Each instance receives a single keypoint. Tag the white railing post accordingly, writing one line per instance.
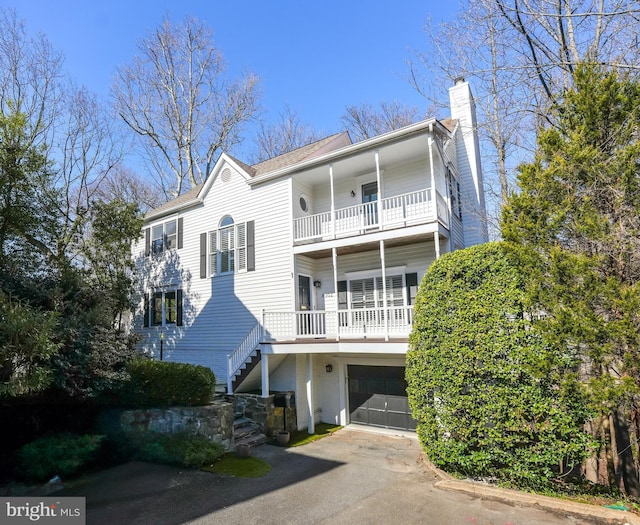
(229, 375)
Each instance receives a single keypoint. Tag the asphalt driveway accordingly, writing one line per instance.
(351, 477)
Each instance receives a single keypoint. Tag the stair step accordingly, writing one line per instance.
(252, 441)
(246, 430)
(240, 421)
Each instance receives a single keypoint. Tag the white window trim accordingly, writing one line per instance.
(218, 252)
(164, 236)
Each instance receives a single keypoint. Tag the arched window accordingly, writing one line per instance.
(227, 220)
(228, 247)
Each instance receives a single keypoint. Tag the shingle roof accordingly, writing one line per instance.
(449, 123)
(293, 157)
(181, 199)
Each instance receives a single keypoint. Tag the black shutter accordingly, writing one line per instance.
(180, 231)
(145, 321)
(412, 287)
(203, 256)
(342, 295)
(147, 242)
(152, 309)
(251, 246)
(179, 307)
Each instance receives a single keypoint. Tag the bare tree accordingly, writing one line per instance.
(174, 95)
(519, 56)
(66, 123)
(124, 184)
(366, 121)
(30, 76)
(285, 135)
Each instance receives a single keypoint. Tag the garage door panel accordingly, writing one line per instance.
(398, 404)
(377, 402)
(377, 396)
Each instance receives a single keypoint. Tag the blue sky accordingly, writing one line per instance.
(315, 57)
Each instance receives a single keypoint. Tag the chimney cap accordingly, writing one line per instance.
(459, 80)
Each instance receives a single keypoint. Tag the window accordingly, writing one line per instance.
(163, 308)
(230, 247)
(165, 236)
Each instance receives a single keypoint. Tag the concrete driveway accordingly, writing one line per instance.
(351, 477)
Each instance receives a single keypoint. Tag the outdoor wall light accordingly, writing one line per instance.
(353, 193)
(329, 368)
(317, 284)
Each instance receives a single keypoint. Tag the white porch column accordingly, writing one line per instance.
(334, 256)
(264, 371)
(384, 291)
(333, 203)
(379, 183)
(434, 201)
(311, 425)
(436, 242)
(342, 393)
(229, 376)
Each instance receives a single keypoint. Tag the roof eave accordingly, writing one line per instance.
(352, 148)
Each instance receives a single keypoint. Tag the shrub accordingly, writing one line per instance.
(59, 454)
(163, 383)
(185, 450)
(491, 396)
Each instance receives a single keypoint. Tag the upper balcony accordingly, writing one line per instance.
(400, 211)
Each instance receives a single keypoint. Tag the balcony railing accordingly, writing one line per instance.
(391, 212)
(392, 321)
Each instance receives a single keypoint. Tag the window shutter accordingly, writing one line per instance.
(251, 246)
(412, 287)
(147, 312)
(180, 231)
(213, 252)
(342, 295)
(147, 242)
(203, 256)
(152, 309)
(178, 307)
(241, 246)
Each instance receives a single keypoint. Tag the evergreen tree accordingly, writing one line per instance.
(575, 224)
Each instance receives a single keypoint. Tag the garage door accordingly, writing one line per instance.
(378, 397)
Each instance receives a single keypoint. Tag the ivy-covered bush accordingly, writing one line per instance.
(58, 455)
(492, 398)
(163, 383)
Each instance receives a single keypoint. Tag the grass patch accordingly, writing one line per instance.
(232, 465)
(302, 437)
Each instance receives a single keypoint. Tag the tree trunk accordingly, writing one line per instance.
(608, 445)
(625, 455)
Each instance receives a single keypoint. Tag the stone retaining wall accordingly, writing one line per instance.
(214, 421)
(262, 412)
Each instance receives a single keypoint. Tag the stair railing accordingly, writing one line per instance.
(241, 354)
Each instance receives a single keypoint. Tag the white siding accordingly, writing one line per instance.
(218, 312)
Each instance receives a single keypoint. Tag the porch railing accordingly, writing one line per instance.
(392, 321)
(390, 212)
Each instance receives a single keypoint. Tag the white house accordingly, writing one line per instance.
(307, 265)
